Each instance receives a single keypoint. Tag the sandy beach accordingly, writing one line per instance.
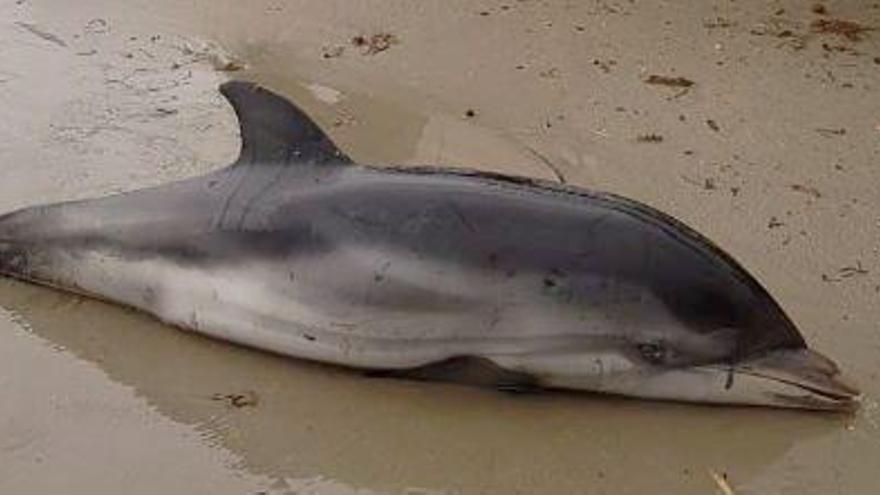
(755, 122)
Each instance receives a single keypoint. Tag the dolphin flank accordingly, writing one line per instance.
(429, 273)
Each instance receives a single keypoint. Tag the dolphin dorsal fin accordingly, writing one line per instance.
(274, 130)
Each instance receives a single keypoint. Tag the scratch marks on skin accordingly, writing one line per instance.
(227, 202)
(497, 313)
(461, 216)
(264, 190)
(40, 33)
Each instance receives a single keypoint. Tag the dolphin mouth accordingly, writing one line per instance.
(802, 378)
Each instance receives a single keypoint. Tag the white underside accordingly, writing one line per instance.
(330, 308)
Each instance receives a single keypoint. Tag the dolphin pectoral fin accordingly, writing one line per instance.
(274, 130)
(470, 370)
(529, 385)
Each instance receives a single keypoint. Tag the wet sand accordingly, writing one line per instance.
(772, 153)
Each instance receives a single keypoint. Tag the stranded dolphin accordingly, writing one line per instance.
(428, 272)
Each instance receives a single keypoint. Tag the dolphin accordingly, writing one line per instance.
(429, 273)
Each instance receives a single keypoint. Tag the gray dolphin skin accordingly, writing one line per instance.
(428, 273)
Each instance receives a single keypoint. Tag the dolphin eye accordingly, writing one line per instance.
(653, 352)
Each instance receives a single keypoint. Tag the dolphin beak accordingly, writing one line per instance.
(800, 378)
(790, 378)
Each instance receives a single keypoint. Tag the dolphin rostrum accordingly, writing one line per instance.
(427, 272)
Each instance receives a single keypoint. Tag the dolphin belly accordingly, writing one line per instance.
(355, 307)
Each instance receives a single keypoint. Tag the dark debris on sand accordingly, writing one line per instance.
(377, 43)
(673, 82)
(850, 30)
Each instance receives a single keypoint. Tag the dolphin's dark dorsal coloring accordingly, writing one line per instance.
(428, 272)
(274, 131)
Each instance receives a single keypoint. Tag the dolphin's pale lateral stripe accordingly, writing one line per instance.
(430, 273)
